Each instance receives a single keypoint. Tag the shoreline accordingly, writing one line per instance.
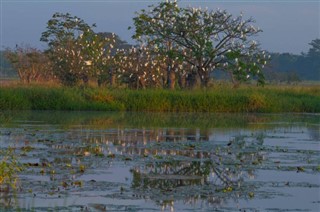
(224, 99)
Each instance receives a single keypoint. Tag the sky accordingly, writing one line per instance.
(288, 25)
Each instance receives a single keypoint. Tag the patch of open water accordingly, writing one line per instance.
(171, 162)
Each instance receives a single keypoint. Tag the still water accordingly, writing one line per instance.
(97, 161)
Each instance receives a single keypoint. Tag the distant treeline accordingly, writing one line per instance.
(6, 69)
(290, 67)
(176, 47)
(283, 67)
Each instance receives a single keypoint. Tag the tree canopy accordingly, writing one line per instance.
(314, 51)
(183, 46)
(207, 40)
(286, 66)
(76, 50)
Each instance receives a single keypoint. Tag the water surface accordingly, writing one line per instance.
(94, 161)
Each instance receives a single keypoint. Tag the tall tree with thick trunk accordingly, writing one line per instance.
(202, 38)
(153, 29)
(76, 51)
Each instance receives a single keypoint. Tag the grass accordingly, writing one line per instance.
(9, 169)
(222, 99)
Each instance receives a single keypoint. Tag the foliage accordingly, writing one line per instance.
(286, 67)
(314, 51)
(184, 45)
(107, 72)
(9, 169)
(207, 40)
(64, 28)
(6, 69)
(31, 64)
(139, 68)
(312, 59)
(218, 99)
(76, 51)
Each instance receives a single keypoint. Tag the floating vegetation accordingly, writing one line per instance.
(10, 167)
(82, 166)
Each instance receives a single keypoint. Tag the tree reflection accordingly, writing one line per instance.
(181, 164)
(168, 164)
(7, 200)
(211, 173)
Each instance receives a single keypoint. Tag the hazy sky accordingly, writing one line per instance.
(288, 26)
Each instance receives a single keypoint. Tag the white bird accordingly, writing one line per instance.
(88, 62)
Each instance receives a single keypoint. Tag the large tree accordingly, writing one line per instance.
(153, 30)
(207, 40)
(76, 50)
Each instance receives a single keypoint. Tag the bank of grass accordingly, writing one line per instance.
(270, 99)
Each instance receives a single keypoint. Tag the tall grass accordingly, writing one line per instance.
(218, 99)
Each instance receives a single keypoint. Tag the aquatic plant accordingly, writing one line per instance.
(9, 169)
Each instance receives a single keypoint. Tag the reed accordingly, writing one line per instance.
(222, 99)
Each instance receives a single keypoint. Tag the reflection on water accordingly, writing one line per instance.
(150, 161)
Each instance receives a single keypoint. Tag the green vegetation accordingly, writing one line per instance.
(115, 119)
(287, 67)
(177, 47)
(6, 69)
(197, 42)
(9, 169)
(218, 99)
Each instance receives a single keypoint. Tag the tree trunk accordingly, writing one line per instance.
(21, 75)
(99, 81)
(142, 83)
(191, 80)
(171, 80)
(235, 82)
(204, 77)
(85, 79)
(28, 76)
(112, 78)
(182, 80)
(170, 77)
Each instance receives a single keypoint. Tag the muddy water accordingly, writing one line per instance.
(94, 161)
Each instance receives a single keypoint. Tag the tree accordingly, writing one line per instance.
(6, 68)
(290, 67)
(31, 64)
(62, 35)
(313, 58)
(156, 34)
(97, 54)
(314, 51)
(108, 73)
(207, 40)
(139, 67)
(76, 51)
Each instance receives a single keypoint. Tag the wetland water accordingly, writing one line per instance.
(94, 161)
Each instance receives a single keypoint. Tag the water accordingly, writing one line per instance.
(94, 161)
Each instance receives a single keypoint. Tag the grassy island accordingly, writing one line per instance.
(269, 99)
